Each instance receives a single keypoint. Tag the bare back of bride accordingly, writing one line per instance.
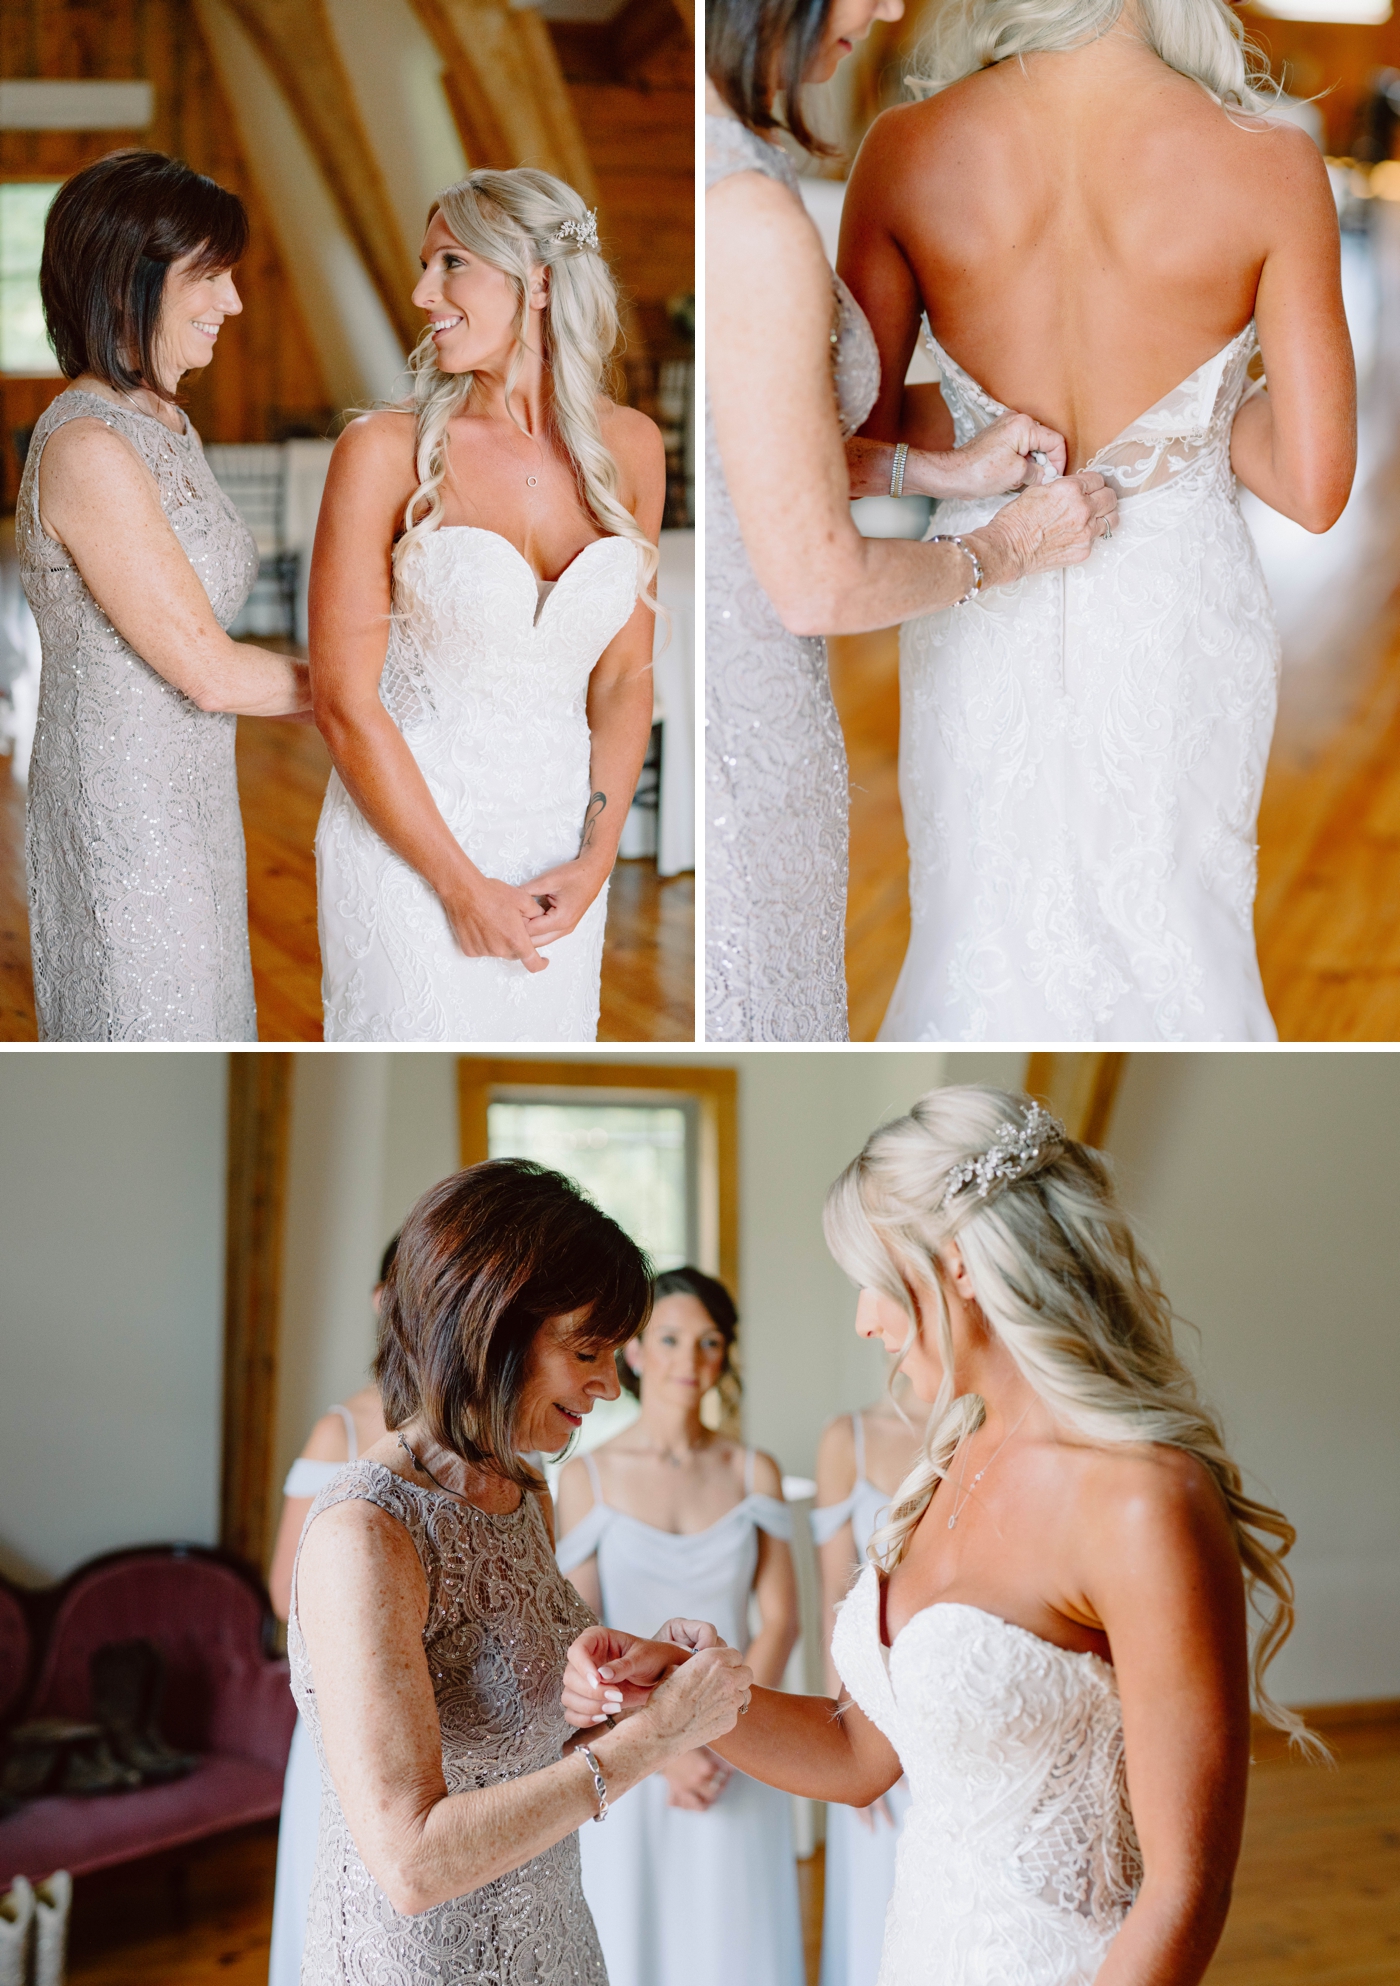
(1099, 222)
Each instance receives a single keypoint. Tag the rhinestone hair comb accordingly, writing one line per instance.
(584, 232)
(1012, 1153)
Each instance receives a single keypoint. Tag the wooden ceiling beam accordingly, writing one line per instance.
(507, 90)
(297, 42)
(643, 26)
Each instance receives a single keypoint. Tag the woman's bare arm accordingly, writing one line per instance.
(370, 481)
(620, 701)
(362, 1603)
(803, 1744)
(1295, 446)
(1161, 1574)
(325, 1443)
(775, 1589)
(99, 500)
(836, 1477)
(770, 308)
(575, 1502)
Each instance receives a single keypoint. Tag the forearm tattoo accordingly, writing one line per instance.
(596, 804)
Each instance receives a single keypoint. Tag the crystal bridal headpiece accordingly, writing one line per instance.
(584, 232)
(1013, 1152)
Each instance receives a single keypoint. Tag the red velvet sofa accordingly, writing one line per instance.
(226, 1699)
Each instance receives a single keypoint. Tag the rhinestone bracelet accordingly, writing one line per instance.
(901, 456)
(600, 1785)
(951, 538)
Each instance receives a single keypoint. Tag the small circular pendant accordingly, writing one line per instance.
(532, 481)
(951, 1522)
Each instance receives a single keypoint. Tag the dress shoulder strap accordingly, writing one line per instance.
(731, 147)
(349, 1420)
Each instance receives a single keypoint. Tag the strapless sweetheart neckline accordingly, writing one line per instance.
(1220, 359)
(1000, 1620)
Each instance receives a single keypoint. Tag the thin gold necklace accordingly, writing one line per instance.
(958, 1508)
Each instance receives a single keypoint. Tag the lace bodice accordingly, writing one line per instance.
(486, 676)
(500, 1621)
(775, 770)
(1019, 1858)
(1186, 430)
(137, 902)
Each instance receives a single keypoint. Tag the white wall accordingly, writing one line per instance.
(111, 1303)
(1266, 1188)
(369, 1133)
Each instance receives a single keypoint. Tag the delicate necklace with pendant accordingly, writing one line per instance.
(958, 1508)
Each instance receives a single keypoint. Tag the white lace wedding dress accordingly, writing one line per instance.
(487, 679)
(1019, 1859)
(1082, 755)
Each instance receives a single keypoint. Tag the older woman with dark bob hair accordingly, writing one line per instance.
(430, 1625)
(135, 563)
(785, 565)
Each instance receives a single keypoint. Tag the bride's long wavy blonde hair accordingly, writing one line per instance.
(1203, 39)
(513, 220)
(1061, 1280)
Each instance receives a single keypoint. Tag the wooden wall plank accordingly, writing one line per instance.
(258, 1111)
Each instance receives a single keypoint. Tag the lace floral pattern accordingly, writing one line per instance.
(500, 1620)
(488, 683)
(138, 915)
(1082, 755)
(1019, 1859)
(776, 787)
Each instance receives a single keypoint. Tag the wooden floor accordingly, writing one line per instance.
(648, 976)
(1317, 1897)
(1327, 918)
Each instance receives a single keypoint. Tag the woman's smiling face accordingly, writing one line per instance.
(471, 305)
(564, 1378)
(848, 22)
(193, 306)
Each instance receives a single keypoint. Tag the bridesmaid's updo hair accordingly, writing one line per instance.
(1059, 1277)
(709, 1292)
(484, 1260)
(756, 50)
(112, 233)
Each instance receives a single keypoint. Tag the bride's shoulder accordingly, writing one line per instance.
(374, 453)
(1138, 1491)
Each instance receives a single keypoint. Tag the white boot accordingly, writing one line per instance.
(52, 1902)
(16, 1923)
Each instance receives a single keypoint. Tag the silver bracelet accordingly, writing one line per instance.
(901, 456)
(951, 538)
(600, 1785)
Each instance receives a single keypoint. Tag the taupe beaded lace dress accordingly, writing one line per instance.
(500, 1620)
(776, 788)
(138, 918)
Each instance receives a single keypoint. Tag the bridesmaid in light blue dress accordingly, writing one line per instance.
(703, 1894)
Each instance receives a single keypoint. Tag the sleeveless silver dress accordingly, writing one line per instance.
(138, 918)
(776, 787)
(501, 1617)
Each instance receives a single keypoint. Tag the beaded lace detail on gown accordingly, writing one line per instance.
(487, 679)
(1019, 1859)
(1082, 756)
(500, 1621)
(776, 788)
(138, 915)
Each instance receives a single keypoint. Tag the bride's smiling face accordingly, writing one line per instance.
(848, 22)
(472, 305)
